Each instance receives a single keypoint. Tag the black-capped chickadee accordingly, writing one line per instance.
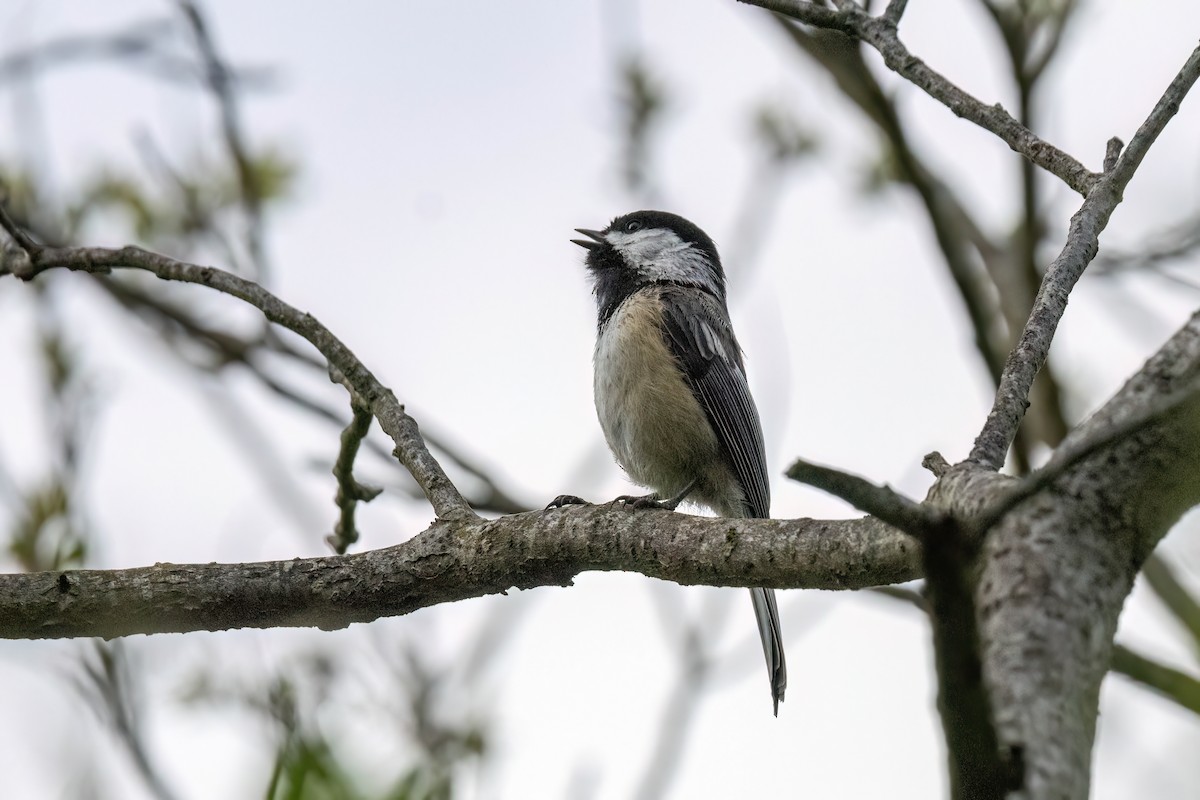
(670, 387)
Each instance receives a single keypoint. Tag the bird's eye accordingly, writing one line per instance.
(632, 226)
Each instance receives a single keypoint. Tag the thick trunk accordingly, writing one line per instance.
(1056, 570)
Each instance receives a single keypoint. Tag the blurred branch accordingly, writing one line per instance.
(1183, 606)
(958, 235)
(783, 142)
(49, 530)
(1012, 397)
(43, 536)
(197, 216)
(443, 743)
(492, 496)
(257, 441)
(643, 100)
(218, 77)
(1036, 62)
(1175, 242)
(880, 33)
(996, 287)
(1172, 684)
(142, 44)
(695, 666)
(228, 349)
(107, 683)
(171, 319)
(1021, 24)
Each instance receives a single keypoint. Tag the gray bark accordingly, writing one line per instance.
(455, 560)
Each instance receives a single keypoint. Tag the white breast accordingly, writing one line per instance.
(654, 426)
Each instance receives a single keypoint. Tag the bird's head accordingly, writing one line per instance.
(649, 247)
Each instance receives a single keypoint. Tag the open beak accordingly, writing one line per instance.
(594, 235)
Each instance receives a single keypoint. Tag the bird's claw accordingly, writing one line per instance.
(566, 500)
(646, 501)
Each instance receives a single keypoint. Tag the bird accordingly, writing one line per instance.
(670, 384)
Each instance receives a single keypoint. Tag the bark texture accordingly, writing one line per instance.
(1055, 571)
(455, 560)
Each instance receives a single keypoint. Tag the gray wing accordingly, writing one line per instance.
(697, 332)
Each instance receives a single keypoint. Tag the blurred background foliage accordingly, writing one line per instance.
(432, 715)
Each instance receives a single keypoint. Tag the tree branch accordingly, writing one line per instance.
(880, 33)
(1031, 351)
(350, 492)
(894, 11)
(1070, 454)
(403, 430)
(228, 349)
(996, 295)
(978, 769)
(456, 559)
(879, 501)
(1055, 574)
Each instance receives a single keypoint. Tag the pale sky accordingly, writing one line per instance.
(447, 152)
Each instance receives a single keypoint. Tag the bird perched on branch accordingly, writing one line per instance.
(670, 386)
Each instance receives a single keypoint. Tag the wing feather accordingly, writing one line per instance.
(698, 334)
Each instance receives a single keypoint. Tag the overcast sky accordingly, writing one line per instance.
(447, 150)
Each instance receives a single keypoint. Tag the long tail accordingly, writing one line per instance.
(767, 613)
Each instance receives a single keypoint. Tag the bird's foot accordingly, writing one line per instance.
(564, 500)
(653, 501)
(648, 501)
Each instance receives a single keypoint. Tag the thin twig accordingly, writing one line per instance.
(350, 492)
(1012, 397)
(878, 501)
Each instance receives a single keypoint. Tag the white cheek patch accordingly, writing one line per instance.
(660, 255)
(645, 244)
